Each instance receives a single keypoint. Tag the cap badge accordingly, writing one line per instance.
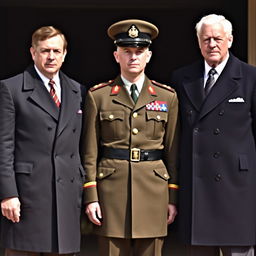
(133, 31)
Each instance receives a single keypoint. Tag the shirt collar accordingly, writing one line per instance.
(138, 83)
(219, 68)
(46, 80)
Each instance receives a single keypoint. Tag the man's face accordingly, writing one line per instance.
(214, 43)
(48, 55)
(132, 60)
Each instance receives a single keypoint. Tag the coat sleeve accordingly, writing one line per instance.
(8, 186)
(171, 148)
(90, 140)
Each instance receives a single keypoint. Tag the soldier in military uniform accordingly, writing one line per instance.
(130, 145)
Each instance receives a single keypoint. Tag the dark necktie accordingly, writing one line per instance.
(210, 81)
(53, 93)
(133, 92)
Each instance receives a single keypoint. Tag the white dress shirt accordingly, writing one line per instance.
(46, 80)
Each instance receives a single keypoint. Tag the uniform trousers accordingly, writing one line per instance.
(109, 246)
(225, 250)
(11, 252)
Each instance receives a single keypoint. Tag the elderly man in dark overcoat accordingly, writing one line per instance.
(217, 96)
(41, 176)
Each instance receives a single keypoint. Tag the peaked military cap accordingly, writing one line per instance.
(133, 33)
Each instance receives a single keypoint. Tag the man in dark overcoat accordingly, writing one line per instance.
(130, 145)
(217, 96)
(41, 176)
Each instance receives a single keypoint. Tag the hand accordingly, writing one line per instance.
(93, 212)
(172, 212)
(11, 209)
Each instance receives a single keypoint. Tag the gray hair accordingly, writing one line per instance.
(213, 19)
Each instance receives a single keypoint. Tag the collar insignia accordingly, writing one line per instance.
(115, 89)
(152, 90)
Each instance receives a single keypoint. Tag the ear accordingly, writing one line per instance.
(149, 54)
(115, 53)
(33, 52)
(64, 55)
(230, 41)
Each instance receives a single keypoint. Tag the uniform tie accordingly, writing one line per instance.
(133, 92)
(53, 93)
(210, 81)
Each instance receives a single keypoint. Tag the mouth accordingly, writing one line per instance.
(133, 65)
(50, 65)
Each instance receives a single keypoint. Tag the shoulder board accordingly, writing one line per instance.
(163, 86)
(101, 85)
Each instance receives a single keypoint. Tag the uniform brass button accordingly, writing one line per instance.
(111, 117)
(158, 117)
(135, 131)
(101, 174)
(135, 114)
(165, 175)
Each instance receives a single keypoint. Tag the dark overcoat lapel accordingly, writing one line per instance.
(193, 80)
(226, 84)
(69, 95)
(39, 93)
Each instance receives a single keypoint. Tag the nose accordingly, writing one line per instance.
(51, 54)
(212, 43)
(133, 56)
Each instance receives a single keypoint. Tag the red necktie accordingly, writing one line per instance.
(53, 93)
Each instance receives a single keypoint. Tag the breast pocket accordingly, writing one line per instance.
(112, 125)
(155, 124)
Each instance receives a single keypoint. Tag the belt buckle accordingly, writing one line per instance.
(135, 154)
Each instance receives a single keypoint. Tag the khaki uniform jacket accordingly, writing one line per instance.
(133, 196)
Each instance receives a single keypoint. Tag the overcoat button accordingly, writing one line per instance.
(218, 177)
(216, 155)
(221, 113)
(135, 131)
(189, 112)
(49, 128)
(217, 131)
(196, 130)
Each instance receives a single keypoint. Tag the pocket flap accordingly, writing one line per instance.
(157, 116)
(112, 115)
(162, 173)
(23, 167)
(104, 172)
(243, 163)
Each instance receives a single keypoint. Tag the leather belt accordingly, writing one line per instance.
(134, 154)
